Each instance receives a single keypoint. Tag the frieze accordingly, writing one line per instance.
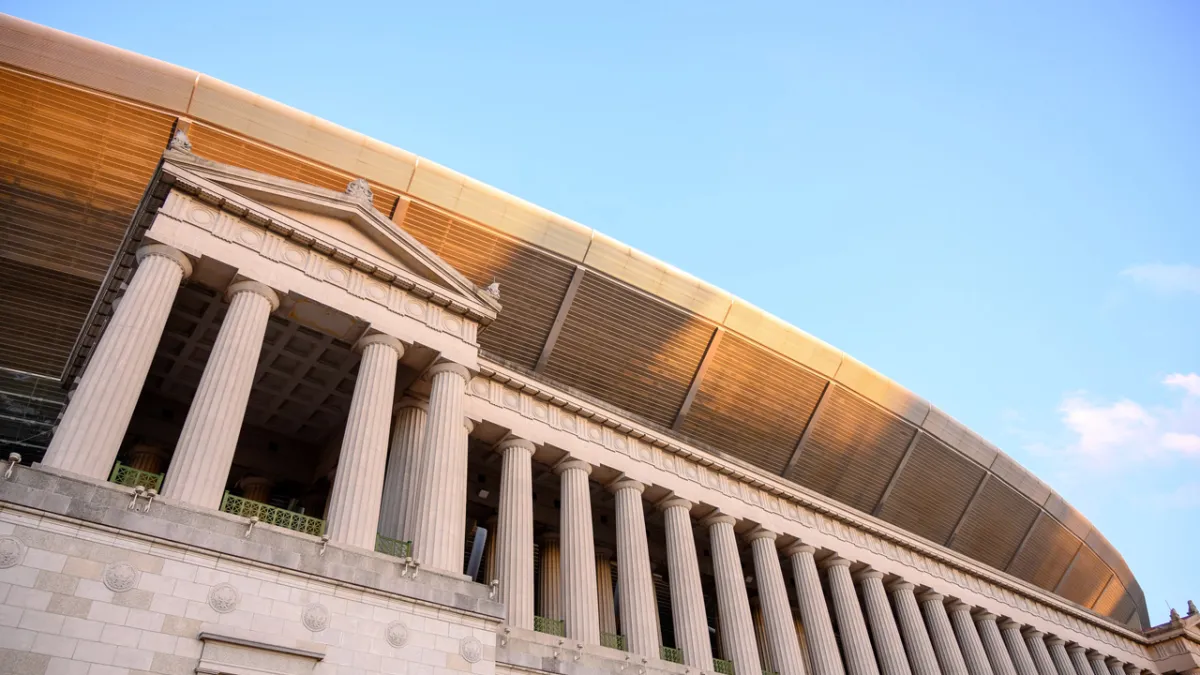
(507, 390)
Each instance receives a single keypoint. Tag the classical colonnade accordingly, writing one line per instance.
(402, 473)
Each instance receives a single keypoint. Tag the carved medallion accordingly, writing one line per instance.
(120, 577)
(11, 552)
(316, 617)
(471, 649)
(224, 598)
(397, 634)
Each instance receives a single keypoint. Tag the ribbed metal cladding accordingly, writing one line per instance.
(358, 485)
(1046, 554)
(204, 454)
(941, 634)
(1035, 641)
(884, 633)
(89, 435)
(993, 644)
(514, 532)
(932, 490)
(733, 605)
(779, 629)
(440, 519)
(1018, 651)
(550, 577)
(687, 595)
(856, 644)
(912, 628)
(968, 639)
(403, 477)
(1085, 579)
(818, 628)
(995, 524)
(578, 553)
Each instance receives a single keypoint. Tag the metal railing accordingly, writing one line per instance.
(127, 475)
(550, 626)
(670, 654)
(612, 640)
(240, 506)
(394, 547)
(722, 666)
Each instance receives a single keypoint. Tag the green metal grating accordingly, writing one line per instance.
(550, 626)
(613, 641)
(670, 654)
(722, 666)
(127, 475)
(394, 547)
(273, 515)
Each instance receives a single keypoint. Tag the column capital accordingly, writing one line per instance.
(835, 561)
(450, 367)
(170, 253)
(604, 553)
(1113, 661)
(1076, 649)
(520, 443)
(672, 502)
(985, 616)
(256, 287)
(626, 484)
(572, 464)
(1094, 655)
(410, 402)
(1009, 624)
(1132, 669)
(1032, 633)
(468, 424)
(901, 585)
(797, 548)
(958, 606)
(931, 596)
(761, 533)
(718, 518)
(867, 573)
(1055, 641)
(380, 339)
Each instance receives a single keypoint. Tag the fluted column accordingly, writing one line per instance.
(578, 553)
(488, 564)
(782, 645)
(1097, 661)
(921, 657)
(257, 488)
(440, 518)
(514, 532)
(1115, 667)
(687, 597)
(1131, 669)
(1035, 641)
(353, 512)
(818, 628)
(1078, 656)
(760, 635)
(1018, 651)
(89, 435)
(147, 458)
(968, 639)
(884, 633)
(945, 646)
(606, 602)
(802, 639)
(733, 604)
(1058, 654)
(639, 611)
(860, 659)
(204, 453)
(402, 477)
(993, 644)
(550, 577)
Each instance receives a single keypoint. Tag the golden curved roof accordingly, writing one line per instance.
(83, 125)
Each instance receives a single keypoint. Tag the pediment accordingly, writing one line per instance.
(344, 224)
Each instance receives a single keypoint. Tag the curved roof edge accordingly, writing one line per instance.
(190, 94)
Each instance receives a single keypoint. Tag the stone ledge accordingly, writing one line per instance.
(530, 650)
(257, 640)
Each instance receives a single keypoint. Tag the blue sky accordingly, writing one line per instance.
(997, 205)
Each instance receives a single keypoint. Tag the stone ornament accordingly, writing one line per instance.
(396, 634)
(470, 649)
(316, 617)
(120, 577)
(360, 190)
(180, 142)
(224, 598)
(11, 552)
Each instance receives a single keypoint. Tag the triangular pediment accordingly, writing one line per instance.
(344, 223)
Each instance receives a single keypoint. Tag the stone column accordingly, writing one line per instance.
(760, 635)
(803, 640)
(639, 610)
(993, 644)
(733, 605)
(687, 598)
(1058, 654)
(1078, 656)
(514, 532)
(1115, 667)
(860, 659)
(912, 628)
(818, 628)
(89, 435)
(147, 458)
(945, 646)
(968, 639)
(606, 601)
(256, 488)
(204, 454)
(1018, 651)
(440, 518)
(550, 578)
(1131, 669)
(578, 553)
(782, 646)
(402, 477)
(884, 633)
(487, 566)
(353, 510)
(1035, 641)
(1097, 661)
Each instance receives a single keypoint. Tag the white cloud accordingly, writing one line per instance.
(1189, 383)
(1188, 444)
(1164, 278)
(1104, 432)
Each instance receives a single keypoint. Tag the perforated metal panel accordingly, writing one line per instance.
(995, 524)
(932, 490)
